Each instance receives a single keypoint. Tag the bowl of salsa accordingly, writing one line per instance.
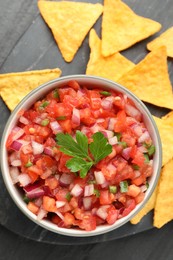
(80, 155)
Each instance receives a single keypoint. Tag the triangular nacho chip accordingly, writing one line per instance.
(166, 135)
(165, 39)
(149, 79)
(147, 208)
(169, 118)
(163, 212)
(112, 67)
(70, 22)
(122, 28)
(15, 86)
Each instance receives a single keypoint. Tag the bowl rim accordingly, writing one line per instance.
(12, 190)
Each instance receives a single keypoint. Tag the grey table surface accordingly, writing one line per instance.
(18, 18)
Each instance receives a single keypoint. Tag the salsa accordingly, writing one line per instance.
(82, 157)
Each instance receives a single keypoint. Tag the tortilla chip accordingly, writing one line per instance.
(165, 39)
(149, 79)
(166, 135)
(163, 212)
(15, 86)
(70, 22)
(122, 28)
(169, 118)
(147, 208)
(112, 67)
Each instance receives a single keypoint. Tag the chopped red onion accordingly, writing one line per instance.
(33, 186)
(100, 179)
(16, 163)
(89, 190)
(35, 193)
(60, 204)
(46, 174)
(126, 153)
(113, 140)
(102, 212)
(133, 112)
(143, 188)
(14, 173)
(107, 104)
(37, 148)
(59, 214)
(38, 201)
(24, 120)
(142, 149)
(137, 174)
(14, 156)
(27, 149)
(56, 128)
(112, 168)
(48, 151)
(41, 214)
(137, 129)
(66, 179)
(76, 116)
(144, 137)
(24, 179)
(37, 120)
(107, 133)
(87, 202)
(16, 145)
(17, 133)
(44, 115)
(76, 191)
(111, 123)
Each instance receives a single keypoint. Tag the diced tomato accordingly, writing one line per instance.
(34, 176)
(55, 219)
(66, 125)
(139, 198)
(74, 84)
(61, 194)
(66, 91)
(51, 182)
(128, 138)
(112, 215)
(78, 213)
(95, 99)
(88, 222)
(133, 190)
(120, 125)
(62, 163)
(33, 207)
(130, 205)
(105, 198)
(139, 180)
(49, 204)
(69, 219)
(139, 159)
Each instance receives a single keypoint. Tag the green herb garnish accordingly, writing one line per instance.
(105, 93)
(56, 93)
(45, 122)
(68, 196)
(26, 199)
(147, 160)
(151, 150)
(44, 104)
(80, 150)
(28, 164)
(135, 167)
(123, 186)
(97, 193)
(147, 184)
(61, 118)
(118, 135)
(112, 189)
(92, 182)
(124, 144)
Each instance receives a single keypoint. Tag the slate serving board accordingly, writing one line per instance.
(37, 49)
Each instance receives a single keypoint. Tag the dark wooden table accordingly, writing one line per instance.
(18, 18)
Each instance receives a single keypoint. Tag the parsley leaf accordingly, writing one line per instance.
(99, 147)
(78, 164)
(68, 145)
(80, 151)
